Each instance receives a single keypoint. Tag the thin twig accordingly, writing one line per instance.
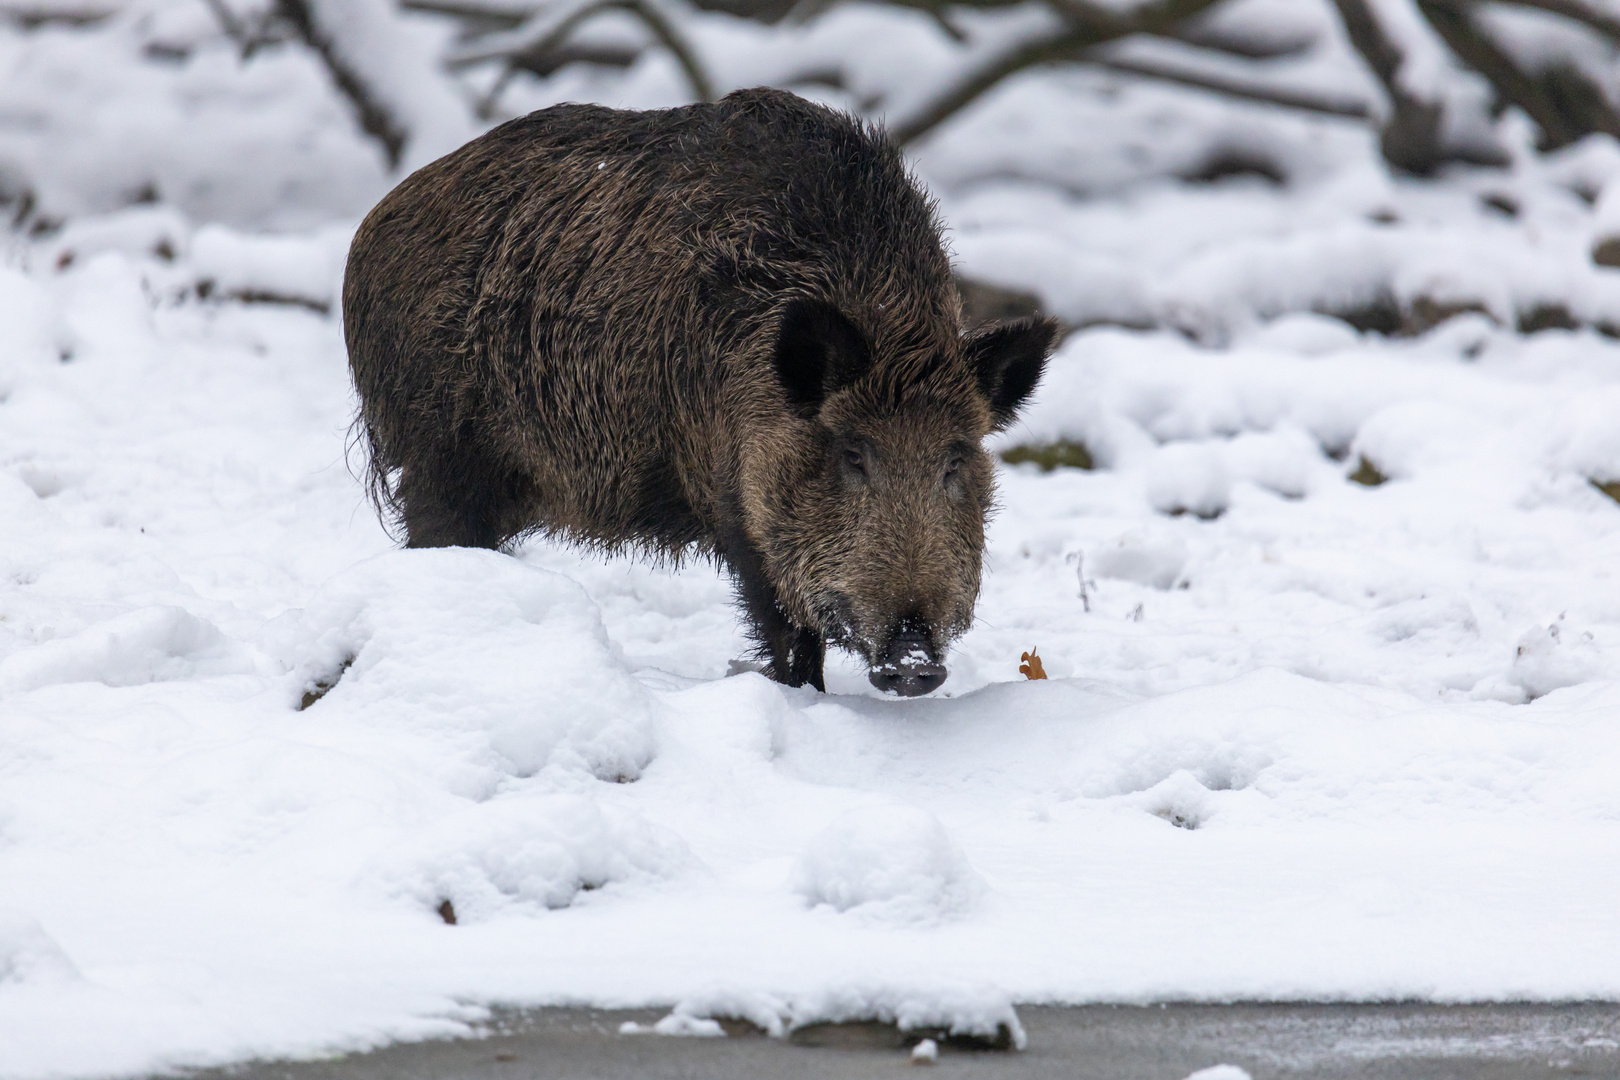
(248, 39)
(233, 27)
(529, 47)
(503, 15)
(1235, 44)
(1244, 91)
(544, 31)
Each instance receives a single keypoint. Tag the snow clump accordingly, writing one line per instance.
(155, 644)
(974, 1011)
(890, 862)
(530, 852)
(1551, 657)
(29, 955)
(1220, 1072)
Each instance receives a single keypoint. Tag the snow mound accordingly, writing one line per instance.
(1416, 436)
(1179, 799)
(1586, 437)
(530, 852)
(889, 862)
(34, 331)
(156, 644)
(1551, 657)
(473, 642)
(1153, 557)
(1189, 478)
(29, 955)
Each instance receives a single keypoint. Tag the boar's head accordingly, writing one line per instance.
(869, 505)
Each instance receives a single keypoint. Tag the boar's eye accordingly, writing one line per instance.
(952, 466)
(855, 460)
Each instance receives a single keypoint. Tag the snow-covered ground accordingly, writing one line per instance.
(1304, 737)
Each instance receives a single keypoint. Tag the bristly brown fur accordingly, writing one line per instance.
(670, 331)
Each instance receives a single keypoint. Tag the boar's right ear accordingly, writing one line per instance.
(1008, 360)
(818, 351)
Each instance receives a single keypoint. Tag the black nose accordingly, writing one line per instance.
(908, 667)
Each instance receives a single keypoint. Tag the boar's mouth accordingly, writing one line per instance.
(907, 664)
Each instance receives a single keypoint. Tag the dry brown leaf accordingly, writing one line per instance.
(1031, 667)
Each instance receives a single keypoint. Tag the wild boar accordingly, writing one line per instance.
(727, 330)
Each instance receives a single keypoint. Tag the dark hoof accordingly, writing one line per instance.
(910, 681)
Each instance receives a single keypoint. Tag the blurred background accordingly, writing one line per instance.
(1204, 165)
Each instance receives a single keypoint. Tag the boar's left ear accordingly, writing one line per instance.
(1008, 361)
(818, 352)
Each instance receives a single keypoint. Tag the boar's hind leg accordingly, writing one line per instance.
(457, 498)
(795, 655)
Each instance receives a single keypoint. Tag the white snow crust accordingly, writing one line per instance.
(1302, 738)
(1220, 1072)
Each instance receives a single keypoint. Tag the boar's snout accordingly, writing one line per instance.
(909, 667)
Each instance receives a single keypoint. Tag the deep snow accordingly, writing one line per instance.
(1303, 737)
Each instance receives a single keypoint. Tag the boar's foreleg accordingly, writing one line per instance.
(794, 655)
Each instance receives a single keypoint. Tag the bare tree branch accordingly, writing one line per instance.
(544, 31)
(1565, 104)
(673, 40)
(234, 28)
(475, 18)
(1410, 139)
(509, 15)
(1249, 48)
(249, 37)
(1578, 11)
(619, 56)
(1243, 91)
(374, 116)
(1088, 25)
(32, 17)
(535, 45)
